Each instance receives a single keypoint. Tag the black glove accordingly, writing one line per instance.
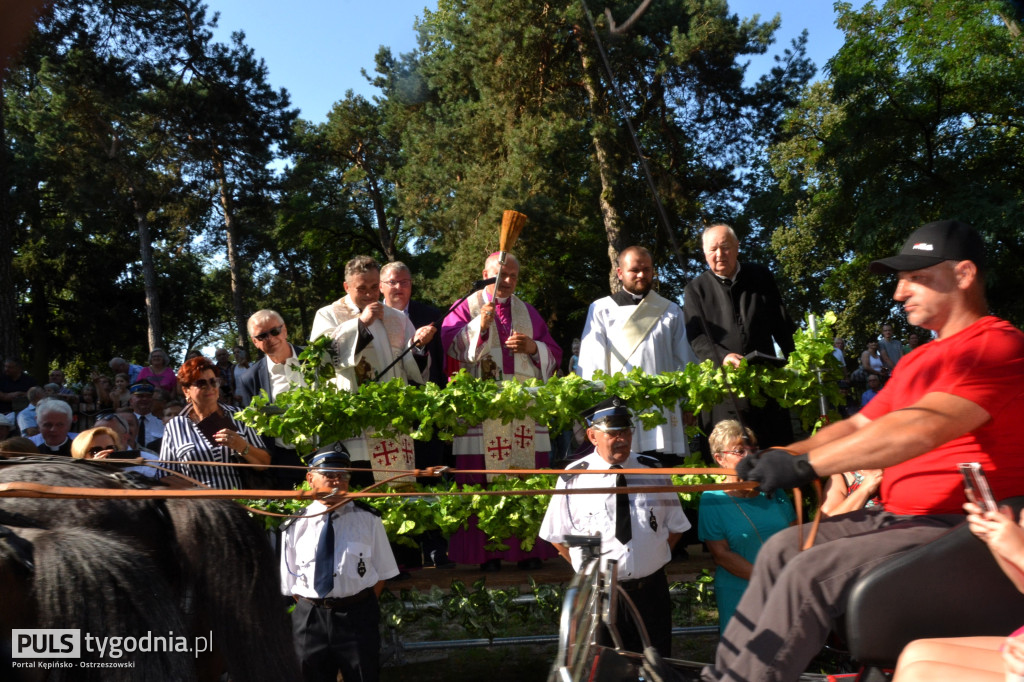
(775, 469)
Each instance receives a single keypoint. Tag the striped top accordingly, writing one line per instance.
(184, 442)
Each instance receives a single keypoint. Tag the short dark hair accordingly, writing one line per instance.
(360, 265)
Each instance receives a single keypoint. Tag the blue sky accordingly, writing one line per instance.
(316, 48)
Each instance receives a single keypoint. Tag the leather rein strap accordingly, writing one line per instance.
(337, 498)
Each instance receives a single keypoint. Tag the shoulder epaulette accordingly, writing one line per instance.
(365, 506)
(649, 461)
(581, 465)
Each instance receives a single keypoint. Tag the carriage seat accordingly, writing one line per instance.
(949, 587)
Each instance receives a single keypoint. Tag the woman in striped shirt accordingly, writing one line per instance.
(205, 431)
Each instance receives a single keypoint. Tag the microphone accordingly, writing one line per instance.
(477, 286)
(481, 283)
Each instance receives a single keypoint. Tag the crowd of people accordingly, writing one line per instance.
(892, 482)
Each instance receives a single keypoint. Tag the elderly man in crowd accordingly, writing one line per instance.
(734, 309)
(54, 437)
(119, 365)
(151, 426)
(276, 372)
(64, 392)
(28, 425)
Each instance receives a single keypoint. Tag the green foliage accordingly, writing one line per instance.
(487, 612)
(919, 121)
(308, 416)
(691, 500)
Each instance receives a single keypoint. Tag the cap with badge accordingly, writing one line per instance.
(609, 415)
(142, 387)
(932, 244)
(333, 456)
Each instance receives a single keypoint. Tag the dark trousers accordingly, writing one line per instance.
(651, 597)
(794, 597)
(329, 640)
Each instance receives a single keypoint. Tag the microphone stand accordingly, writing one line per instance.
(477, 286)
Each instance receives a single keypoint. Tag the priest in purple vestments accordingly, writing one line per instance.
(495, 335)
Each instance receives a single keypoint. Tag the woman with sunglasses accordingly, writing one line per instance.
(95, 443)
(735, 523)
(205, 431)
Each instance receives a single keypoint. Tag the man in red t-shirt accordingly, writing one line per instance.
(955, 400)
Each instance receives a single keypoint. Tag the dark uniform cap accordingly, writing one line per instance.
(333, 456)
(609, 415)
(142, 387)
(933, 243)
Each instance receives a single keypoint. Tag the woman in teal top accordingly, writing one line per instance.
(735, 523)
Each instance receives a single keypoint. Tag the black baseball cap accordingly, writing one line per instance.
(932, 244)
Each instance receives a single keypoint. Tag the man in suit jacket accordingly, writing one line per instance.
(396, 285)
(274, 373)
(733, 309)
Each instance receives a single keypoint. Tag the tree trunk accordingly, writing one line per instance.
(609, 214)
(154, 331)
(10, 332)
(384, 233)
(231, 237)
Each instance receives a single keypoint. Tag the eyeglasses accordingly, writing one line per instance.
(276, 331)
(739, 452)
(610, 430)
(204, 383)
(328, 473)
(397, 282)
(97, 449)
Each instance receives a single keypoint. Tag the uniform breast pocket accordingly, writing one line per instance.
(355, 560)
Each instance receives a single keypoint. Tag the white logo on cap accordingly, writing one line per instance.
(921, 246)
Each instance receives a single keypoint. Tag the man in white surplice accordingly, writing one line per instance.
(367, 336)
(636, 327)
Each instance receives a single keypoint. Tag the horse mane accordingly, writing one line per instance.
(233, 572)
(98, 583)
(125, 567)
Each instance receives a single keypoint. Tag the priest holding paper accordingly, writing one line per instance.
(637, 327)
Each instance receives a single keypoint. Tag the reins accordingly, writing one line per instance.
(40, 490)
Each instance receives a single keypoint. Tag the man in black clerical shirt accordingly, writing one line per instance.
(731, 310)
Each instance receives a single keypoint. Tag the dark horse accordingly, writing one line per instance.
(124, 568)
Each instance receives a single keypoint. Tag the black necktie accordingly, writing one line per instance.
(323, 571)
(141, 440)
(623, 520)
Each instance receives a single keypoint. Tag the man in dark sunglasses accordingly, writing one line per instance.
(274, 373)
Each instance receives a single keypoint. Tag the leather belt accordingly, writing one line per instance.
(641, 583)
(338, 603)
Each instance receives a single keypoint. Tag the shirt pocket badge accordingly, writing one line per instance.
(354, 560)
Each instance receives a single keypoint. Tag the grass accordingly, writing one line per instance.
(470, 612)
